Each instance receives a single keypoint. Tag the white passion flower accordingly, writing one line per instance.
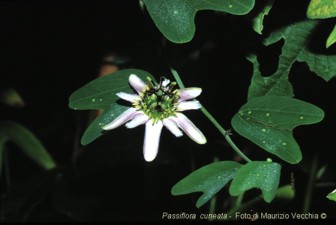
(157, 106)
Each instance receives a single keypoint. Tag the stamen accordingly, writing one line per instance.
(159, 101)
(165, 82)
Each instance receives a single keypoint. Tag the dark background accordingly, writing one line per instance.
(48, 49)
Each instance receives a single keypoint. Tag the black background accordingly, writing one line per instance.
(48, 49)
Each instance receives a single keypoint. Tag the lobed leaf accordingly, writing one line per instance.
(268, 121)
(208, 179)
(275, 85)
(296, 48)
(175, 18)
(257, 174)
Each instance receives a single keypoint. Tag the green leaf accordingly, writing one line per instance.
(332, 38)
(94, 130)
(11, 97)
(275, 85)
(175, 18)
(208, 179)
(257, 22)
(101, 92)
(268, 121)
(283, 194)
(332, 195)
(296, 48)
(321, 9)
(257, 174)
(27, 142)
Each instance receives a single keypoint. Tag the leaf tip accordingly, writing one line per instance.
(268, 197)
(204, 198)
(199, 203)
(251, 57)
(84, 141)
(295, 160)
(173, 191)
(332, 196)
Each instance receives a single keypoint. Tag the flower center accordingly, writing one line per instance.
(159, 101)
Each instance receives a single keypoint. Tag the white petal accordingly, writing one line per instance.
(128, 97)
(189, 128)
(137, 120)
(120, 120)
(188, 105)
(136, 83)
(189, 93)
(171, 125)
(152, 140)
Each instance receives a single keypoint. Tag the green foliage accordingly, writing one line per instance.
(332, 38)
(296, 48)
(285, 193)
(268, 121)
(257, 22)
(26, 141)
(275, 85)
(318, 9)
(257, 174)
(321, 9)
(101, 94)
(332, 195)
(175, 18)
(94, 130)
(208, 179)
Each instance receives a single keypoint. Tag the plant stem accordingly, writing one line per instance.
(238, 201)
(213, 201)
(243, 207)
(214, 122)
(177, 78)
(225, 134)
(310, 187)
(325, 184)
(212, 207)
